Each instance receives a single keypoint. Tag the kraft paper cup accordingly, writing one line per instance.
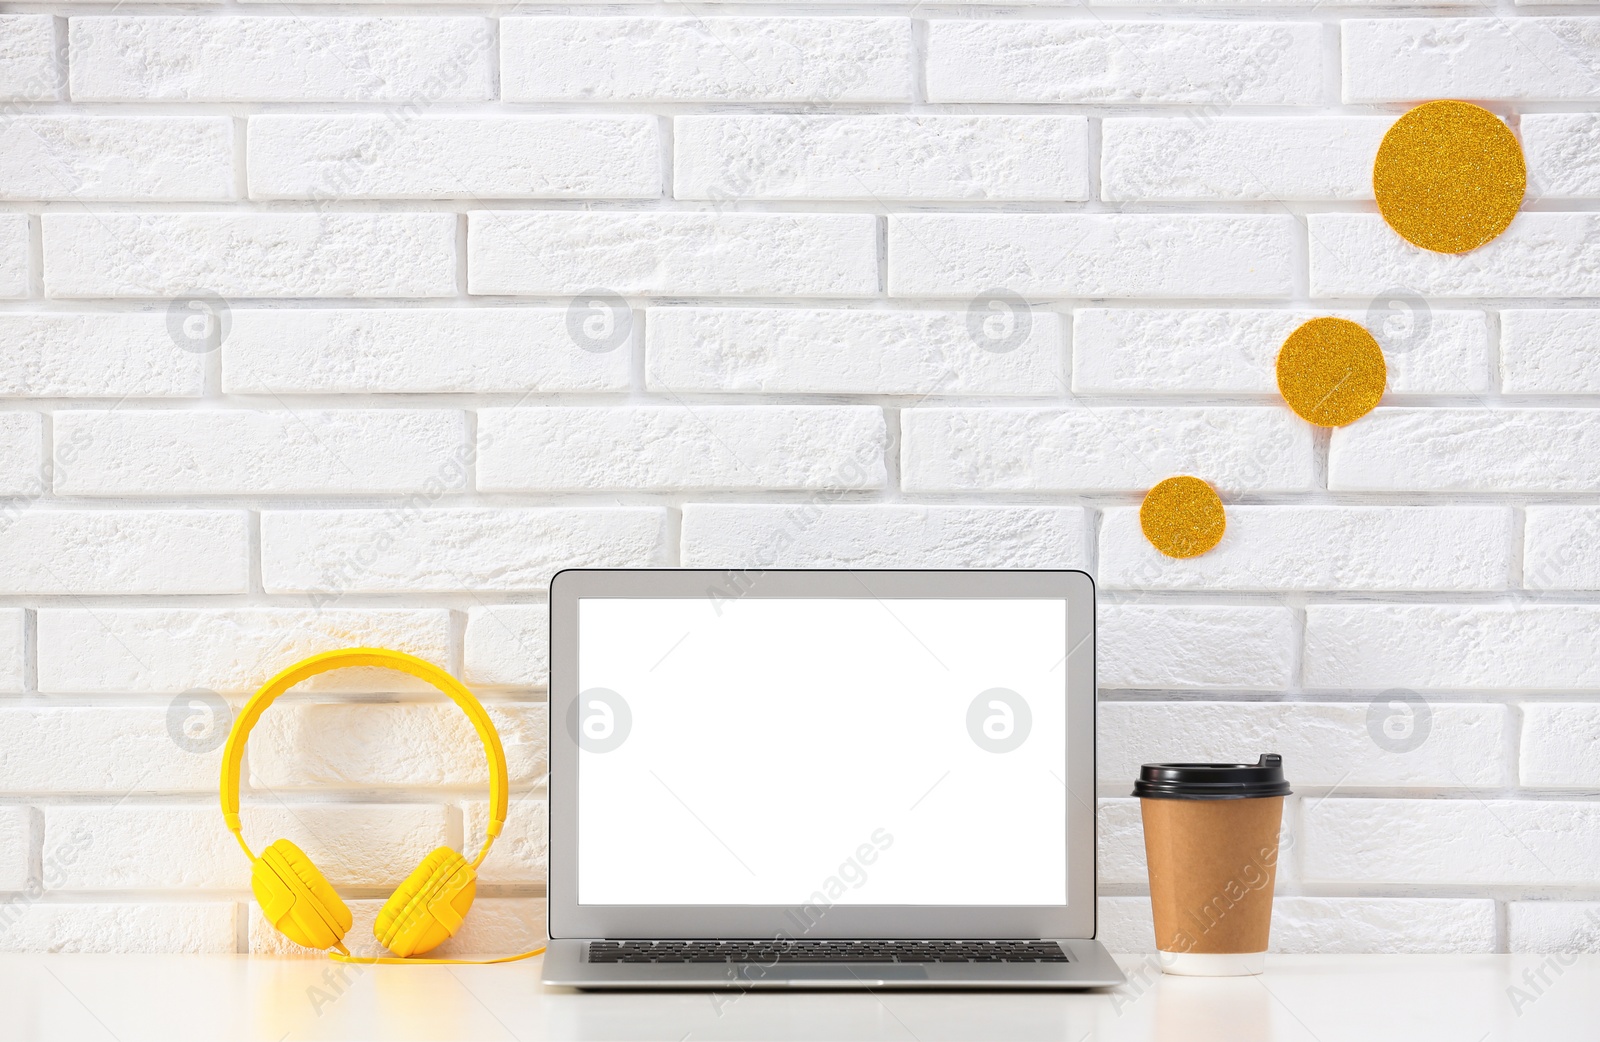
(1211, 845)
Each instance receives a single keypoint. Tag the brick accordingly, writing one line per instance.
(1322, 548)
(428, 744)
(454, 157)
(494, 926)
(28, 69)
(702, 254)
(1550, 352)
(417, 350)
(1560, 149)
(14, 238)
(1102, 448)
(1460, 841)
(881, 158)
(1323, 744)
(86, 158)
(16, 849)
(1525, 59)
(1091, 62)
(520, 855)
(1120, 845)
(499, 926)
(1559, 741)
(221, 58)
(507, 645)
(46, 552)
(1234, 351)
(21, 454)
(144, 927)
(998, 347)
(1166, 647)
(1463, 647)
(1539, 255)
(13, 650)
(96, 355)
(665, 447)
(1553, 926)
(810, 535)
(104, 749)
(216, 452)
(228, 650)
(1334, 925)
(1459, 450)
(818, 60)
(327, 553)
(132, 846)
(1088, 255)
(250, 254)
(1237, 159)
(1559, 548)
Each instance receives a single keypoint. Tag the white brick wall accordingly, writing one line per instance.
(229, 650)
(660, 448)
(418, 350)
(28, 70)
(1561, 157)
(1102, 448)
(1520, 59)
(1540, 255)
(706, 59)
(353, 325)
(213, 58)
(1550, 352)
(807, 535)
(1080, 255)
(535, 157)
(13, 255)
(197, 453)
(1237, 159)
(1182, 62)
(1322, 548)
(881, 158)
(89, 158)
(701, 254)
(250, 255)
(1180, 351)
(803, 350)
(95, 355)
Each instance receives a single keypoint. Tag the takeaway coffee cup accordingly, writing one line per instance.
(1211, 844)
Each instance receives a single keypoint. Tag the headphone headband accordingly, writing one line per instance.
(233, 754)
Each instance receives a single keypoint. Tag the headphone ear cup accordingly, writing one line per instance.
(429, 906)
(296, 898)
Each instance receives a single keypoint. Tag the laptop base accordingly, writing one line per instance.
(1089, 966)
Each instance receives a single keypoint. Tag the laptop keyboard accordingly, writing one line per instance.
(770, 952)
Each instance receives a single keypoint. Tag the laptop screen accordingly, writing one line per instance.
(794, 751)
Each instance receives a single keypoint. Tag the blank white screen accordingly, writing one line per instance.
(773, 745)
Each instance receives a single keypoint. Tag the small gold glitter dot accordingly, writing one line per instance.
(1449, 176)
(1331, 372)
(1182, 517)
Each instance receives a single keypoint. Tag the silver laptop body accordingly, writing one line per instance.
(822, 779)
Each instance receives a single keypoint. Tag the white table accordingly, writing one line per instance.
(1305, 998)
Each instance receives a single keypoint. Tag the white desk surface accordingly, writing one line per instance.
(1305, 998)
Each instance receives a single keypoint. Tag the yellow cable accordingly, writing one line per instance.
(344, 956)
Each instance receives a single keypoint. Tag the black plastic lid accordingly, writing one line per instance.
(1212, 781)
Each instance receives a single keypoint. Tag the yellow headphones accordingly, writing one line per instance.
(295, 896)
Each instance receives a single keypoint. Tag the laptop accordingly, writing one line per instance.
(822, 779)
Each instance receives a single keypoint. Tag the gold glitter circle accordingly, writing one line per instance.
(1182, 517)
(1449, 176)
(1331, 371)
